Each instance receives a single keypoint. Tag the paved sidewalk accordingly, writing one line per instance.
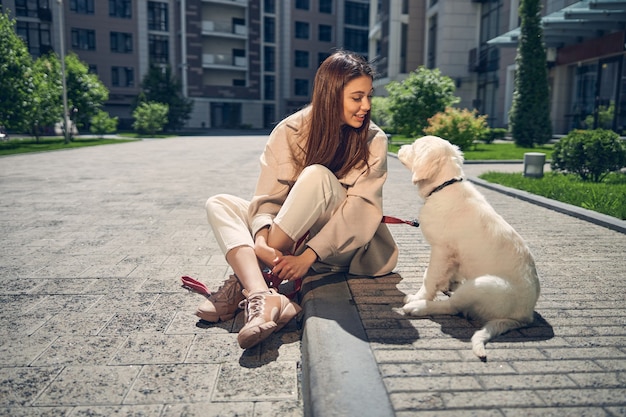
(94, 322)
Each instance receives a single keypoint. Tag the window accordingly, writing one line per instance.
(237, 82)
(357, 13)
(356, 40)
(158, 17)
(159, 49)
(301, 87)
(325, 33)
(269, 6)
(321, 57)
(122, 76)
(36, 36)
(269, 29)
(302, 30)
(269, 58)
(82, 6)
(302, 59)
(84, 39)
(121, 8)
(326, 6)
(121, 42)
(302, 4)
(30, 8)
(269, 87)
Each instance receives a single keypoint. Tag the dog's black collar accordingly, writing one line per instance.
(444, 185)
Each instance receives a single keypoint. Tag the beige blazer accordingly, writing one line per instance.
(356, 225)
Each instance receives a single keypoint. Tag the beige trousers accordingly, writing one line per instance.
(311, 202)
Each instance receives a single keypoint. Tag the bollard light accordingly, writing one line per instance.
(533, 164)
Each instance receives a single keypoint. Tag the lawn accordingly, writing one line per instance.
(607, 197)
(51, 143)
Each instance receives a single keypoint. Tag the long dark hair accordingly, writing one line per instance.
(331, 142)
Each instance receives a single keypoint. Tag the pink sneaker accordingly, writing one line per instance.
(223, 303)
(266, 312)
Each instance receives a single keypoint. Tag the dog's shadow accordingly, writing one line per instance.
(364, 307)
(462, 329)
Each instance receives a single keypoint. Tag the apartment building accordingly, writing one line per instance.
(244, 63)
(586, 51)
(474, 42)
(117, 39)
(250, 63)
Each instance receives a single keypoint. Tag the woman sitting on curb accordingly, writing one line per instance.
(322, 176)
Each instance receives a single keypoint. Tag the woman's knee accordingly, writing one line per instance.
(214, 202)
(315, 172)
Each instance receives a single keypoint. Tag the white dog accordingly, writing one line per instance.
(476, 257)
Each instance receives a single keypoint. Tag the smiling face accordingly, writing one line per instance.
(357, 101)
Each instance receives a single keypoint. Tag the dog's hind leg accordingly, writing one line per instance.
(490, 330)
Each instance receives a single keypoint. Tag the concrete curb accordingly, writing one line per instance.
(340, 373)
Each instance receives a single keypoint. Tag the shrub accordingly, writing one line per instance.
(460, 127)
(150, 117)
(591, 154)
(102, 123)
(380, 113)
(493, 134)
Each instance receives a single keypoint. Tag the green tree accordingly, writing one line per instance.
(420, 96)
(102, 123)
(85, 92)
(150, 117)
(48, 106)
(16, 78)
(529, 119)
(161, 86)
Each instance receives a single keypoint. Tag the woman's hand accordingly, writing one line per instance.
(292, 267)
(264, 253)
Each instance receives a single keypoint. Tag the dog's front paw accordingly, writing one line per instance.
(410, 297)
(420, 295)
(415, 308)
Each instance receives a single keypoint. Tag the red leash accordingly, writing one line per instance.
(395, 220)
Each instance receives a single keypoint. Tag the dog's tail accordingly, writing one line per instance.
(490, 330)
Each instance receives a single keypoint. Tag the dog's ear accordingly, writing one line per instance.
(426, 159)
(405, 155)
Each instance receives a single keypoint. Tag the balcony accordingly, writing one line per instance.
(240, 3)
(224, 29)
(225, 61)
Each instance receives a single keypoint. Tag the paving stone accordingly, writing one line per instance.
(87, 385)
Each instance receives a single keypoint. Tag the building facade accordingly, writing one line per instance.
(474, 42)
(117, 39)
(244, 63)
(249, 63)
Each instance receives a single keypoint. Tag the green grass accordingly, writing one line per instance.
(25, 145)
(607, 197)
(486, 152)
